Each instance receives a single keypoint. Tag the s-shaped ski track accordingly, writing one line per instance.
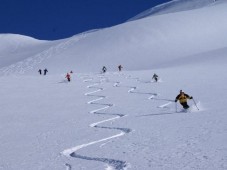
(72, 152)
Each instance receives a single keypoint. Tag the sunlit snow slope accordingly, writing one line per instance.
(175, 6)
(142, 44)
(119, 120)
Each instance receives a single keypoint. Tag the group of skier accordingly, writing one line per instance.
(182, 97)
(68, 75)
(104, 69)
(44, 71)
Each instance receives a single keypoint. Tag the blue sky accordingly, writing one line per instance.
(57, 19)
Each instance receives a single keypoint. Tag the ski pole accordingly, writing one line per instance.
(176, 106)
(195, 104)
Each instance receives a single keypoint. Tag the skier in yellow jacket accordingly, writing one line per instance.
(182, 97)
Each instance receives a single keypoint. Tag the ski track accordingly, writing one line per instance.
(193, 108)
(111, 163)
(71, 152)
(29, 63)
(153, 96)
(133, 89)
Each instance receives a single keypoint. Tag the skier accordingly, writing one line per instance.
(68, 77)
(45, 71)
(40, 71)
(155, 76)
(182, 97)
(104, 69)
(120, 67)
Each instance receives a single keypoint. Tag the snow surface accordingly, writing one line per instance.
(175, 6)
(118, 120)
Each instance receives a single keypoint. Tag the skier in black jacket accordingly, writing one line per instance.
(104, 69)
(120, 67)
(45, 71)
(40, 71)
(155, 76)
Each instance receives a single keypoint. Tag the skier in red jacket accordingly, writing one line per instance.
(68, 77)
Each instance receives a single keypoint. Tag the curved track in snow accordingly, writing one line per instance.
(97, 87)
(132, 90)
(72, 152)
(153, 96)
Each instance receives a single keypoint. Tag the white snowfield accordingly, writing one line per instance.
(175, 6)
(119, 120)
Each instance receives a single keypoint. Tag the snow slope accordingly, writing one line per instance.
(118, 120)
(15, 48)
(175, 6)
(158, 39)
